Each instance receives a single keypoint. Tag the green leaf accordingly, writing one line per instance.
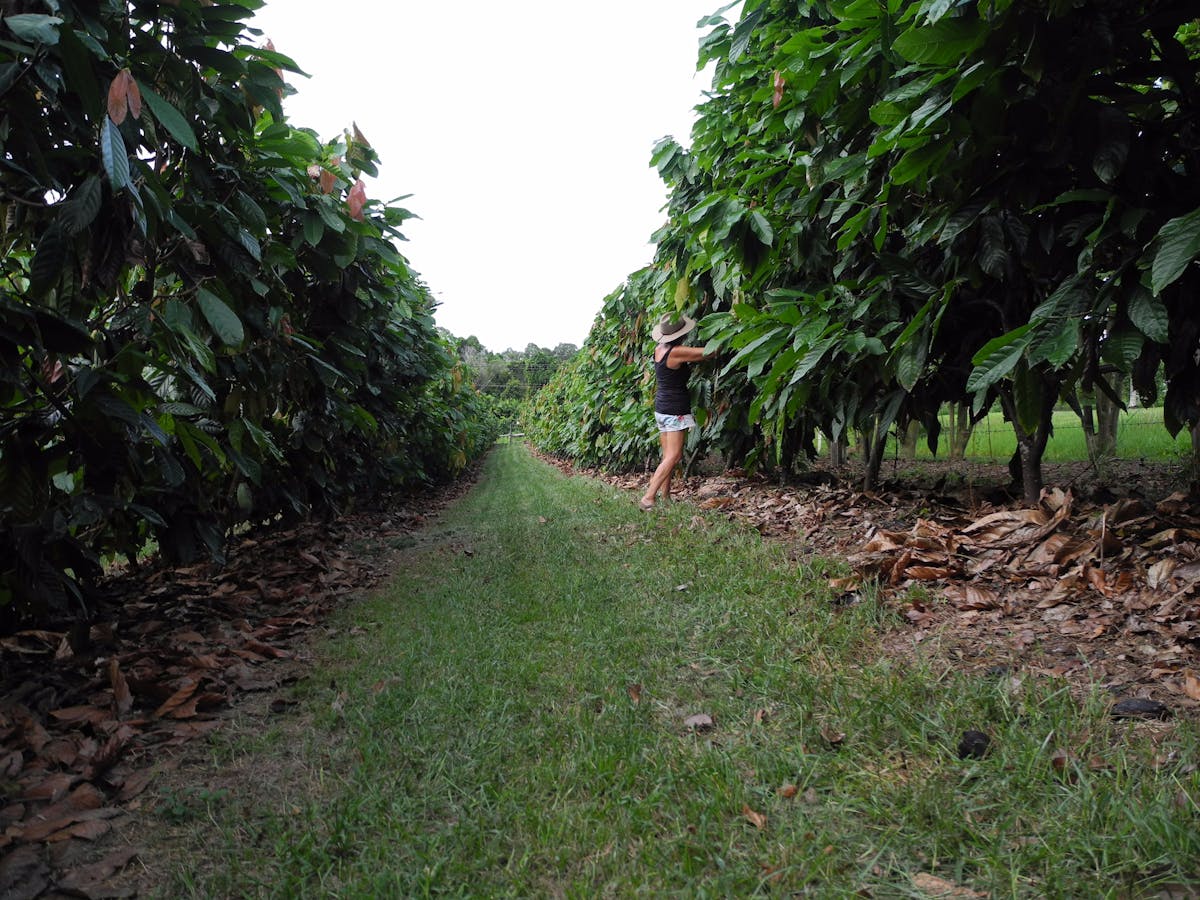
(1178, 244)
(330, 217)
(683, 292)
(78, 76)
(314, 228)
(1149, 315)
(943, 43)
(250, 212)
(223, 320)
(761, 227)
(1122, 348)
(919, 160)
(997, 358)
(1056, 345)
(49, 260)
(1027, 398)
(170, 118)
(38, 29)
(215, 58)
(250, 242)
(114, 155)
(80, 209)
(910, 364)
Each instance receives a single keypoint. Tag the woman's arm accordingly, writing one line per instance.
(687, 355)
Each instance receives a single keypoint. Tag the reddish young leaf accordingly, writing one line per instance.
(135, 98)
(118, 96)
(328, 181)
(777, 93)
(356, 200)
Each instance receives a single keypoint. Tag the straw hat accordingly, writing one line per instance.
(668, 329)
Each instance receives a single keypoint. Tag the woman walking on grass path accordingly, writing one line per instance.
(672, 403)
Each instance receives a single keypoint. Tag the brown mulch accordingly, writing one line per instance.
(92, 716)
(1097, 585)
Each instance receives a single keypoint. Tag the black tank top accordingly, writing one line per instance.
(671, 387)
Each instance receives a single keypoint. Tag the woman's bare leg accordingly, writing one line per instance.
(672, 446)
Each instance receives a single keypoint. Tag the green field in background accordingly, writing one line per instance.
(1140, 435)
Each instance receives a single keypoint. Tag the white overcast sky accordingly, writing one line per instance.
(523, 132)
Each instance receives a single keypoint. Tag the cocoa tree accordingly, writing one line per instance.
(203, 318)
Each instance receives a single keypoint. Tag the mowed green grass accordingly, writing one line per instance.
(509, 718)
(1140, 435)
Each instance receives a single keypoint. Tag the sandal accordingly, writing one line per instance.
(644, 506)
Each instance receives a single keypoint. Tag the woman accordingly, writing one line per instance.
(672, 404)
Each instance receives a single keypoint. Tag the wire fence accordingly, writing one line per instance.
(1140, 434)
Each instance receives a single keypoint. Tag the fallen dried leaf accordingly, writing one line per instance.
(122, 697)
(941, 888)
(698, 722)
(88, 881)
(1191, 686)
(635, 693)
(757, 819)
(788, 791)
(177, 699)
(832, 735)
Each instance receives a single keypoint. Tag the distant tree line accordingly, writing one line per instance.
(514, 374)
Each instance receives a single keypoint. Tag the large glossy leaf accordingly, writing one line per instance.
(114, 155)
(50, 259)
(945, 42)
(1178, 245)
(224, 321)
(997, 358)
(177, 126)
(1150, 316)
(34, 27)
(81, 207)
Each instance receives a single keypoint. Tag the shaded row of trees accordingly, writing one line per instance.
(891, 207)
(203, 319)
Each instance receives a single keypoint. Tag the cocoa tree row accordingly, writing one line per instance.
(887, 207)
(203, 319)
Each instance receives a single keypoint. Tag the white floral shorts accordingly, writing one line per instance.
(674, 423)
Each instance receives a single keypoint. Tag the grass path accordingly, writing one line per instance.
(509, 718)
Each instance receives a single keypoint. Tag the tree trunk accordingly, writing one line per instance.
(1108, 415)
(1027, 461)
(1088, 420)
(874, 445)
(1196, 451)
(960, 430)
(837, 452)
(908, 445)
